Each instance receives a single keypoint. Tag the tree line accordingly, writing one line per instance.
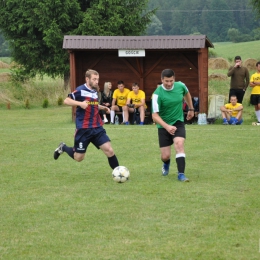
(220, 20)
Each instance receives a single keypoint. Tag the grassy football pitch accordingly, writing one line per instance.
(68, 210)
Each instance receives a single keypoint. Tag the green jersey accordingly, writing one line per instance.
(168, 103)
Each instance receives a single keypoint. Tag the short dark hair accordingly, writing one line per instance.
(135, 84)
(120, 82)
(168, 73)
(237, 58)
(257, 63)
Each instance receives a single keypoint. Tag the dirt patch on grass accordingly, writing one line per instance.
(218, 63)
(218, 76)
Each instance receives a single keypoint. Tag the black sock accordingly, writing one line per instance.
(69, 151)
(180, 164)
(167, 162)
(113, 162)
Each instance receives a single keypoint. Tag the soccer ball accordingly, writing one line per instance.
(120, 174)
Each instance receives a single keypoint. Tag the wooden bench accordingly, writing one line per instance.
(148, 115)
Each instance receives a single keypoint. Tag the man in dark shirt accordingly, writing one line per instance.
(239, 79)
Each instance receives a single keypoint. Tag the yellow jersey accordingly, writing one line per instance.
(231, 107)
(255, 77)
(121, 97)
(137, 98)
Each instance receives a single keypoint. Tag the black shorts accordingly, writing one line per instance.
(255, 99)
(120, 109)
(83, 137)
(166, 139)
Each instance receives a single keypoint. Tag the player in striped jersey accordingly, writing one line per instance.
(89, 125)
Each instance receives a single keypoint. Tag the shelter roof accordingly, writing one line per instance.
(79, 42)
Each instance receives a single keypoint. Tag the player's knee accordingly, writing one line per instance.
(165, 157)
(109, 152)
(78, 157)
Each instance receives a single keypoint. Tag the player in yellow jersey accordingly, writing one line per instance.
(232, 112)
(119, 100)
(135, 104)
(255, 94)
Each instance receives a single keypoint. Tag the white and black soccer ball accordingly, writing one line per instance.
(120, 174)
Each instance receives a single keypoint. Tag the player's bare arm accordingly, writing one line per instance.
(104, 108)
(70, 102)
(169, 128)
(113, 102)
(254, 83)
(141, 104)
(188, 100)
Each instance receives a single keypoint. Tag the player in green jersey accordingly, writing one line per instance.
(167, 113)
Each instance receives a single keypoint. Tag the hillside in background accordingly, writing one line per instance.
(229, 50)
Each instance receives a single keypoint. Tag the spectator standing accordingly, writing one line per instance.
(255, 93)
(167, 101)
(119, 100)
(135, 104)
(232, 112)
(239, 79)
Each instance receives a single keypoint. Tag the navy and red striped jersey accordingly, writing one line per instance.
(89, 117)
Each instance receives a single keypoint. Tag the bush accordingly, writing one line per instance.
(27, 103)
(45, 103)
(60, 101)
(212, 54)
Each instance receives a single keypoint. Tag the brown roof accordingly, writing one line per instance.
(77, 42)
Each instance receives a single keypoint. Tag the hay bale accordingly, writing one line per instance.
(4, 65)
(5, 76)
(218, 63)
(250, 64)
(218, 76)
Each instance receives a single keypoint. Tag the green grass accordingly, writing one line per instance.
(229, 50)
(68, 210)
(7, 60)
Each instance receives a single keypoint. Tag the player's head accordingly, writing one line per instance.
(233, 100)
(168, 78)
(135, 87)
(92, 78)
(120, 85)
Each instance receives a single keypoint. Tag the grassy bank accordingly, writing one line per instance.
(229, 50)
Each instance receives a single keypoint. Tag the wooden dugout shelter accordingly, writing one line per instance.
(141, 59)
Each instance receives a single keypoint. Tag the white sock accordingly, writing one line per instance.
(112, 116)
(258, 115)
(123, 115)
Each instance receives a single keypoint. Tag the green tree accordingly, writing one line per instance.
(35, 29)
(233, 34)
(155, 27)
(256, 6)
(219, 21)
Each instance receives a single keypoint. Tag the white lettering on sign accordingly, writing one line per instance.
(131, 53)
